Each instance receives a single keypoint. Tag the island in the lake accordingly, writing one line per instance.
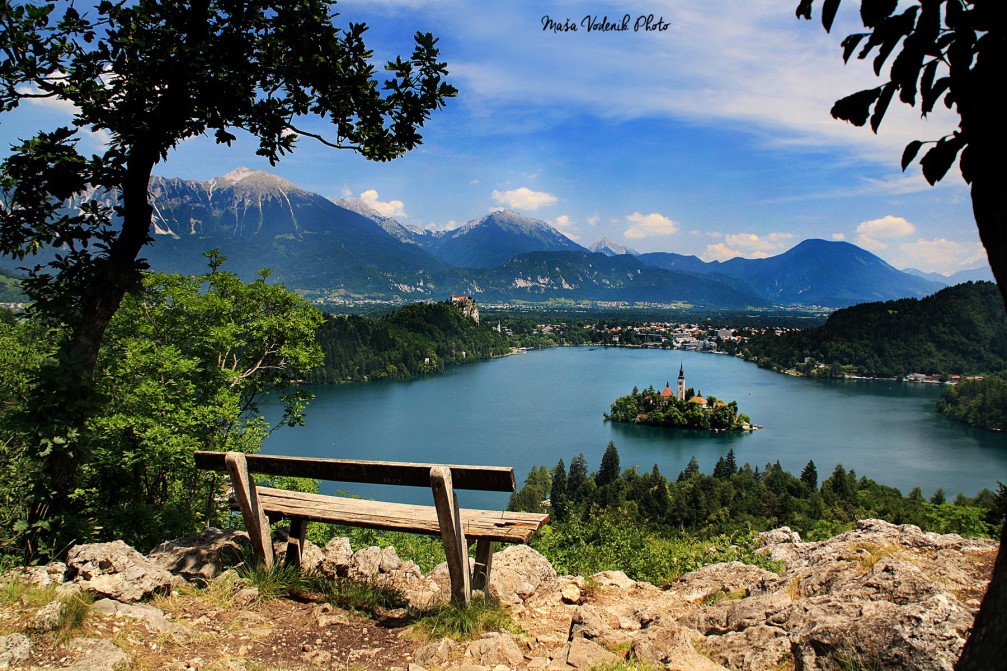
(679, 409)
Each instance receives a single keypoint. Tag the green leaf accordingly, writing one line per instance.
(910, 152)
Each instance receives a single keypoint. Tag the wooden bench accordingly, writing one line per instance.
(457, 527)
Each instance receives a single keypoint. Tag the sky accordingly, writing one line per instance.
(709, 134)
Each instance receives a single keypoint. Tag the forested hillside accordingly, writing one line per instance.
(981, 403)
(958, 330)
(419, 338)
(10, 288)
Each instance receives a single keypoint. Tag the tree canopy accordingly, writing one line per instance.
(148, 75)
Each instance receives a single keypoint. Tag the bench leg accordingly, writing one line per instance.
(295, 541)
(484, 562)
(449, 520)
(248, 503)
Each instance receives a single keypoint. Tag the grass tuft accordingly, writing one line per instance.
(463, 623)
(272, 583)
(358, 596)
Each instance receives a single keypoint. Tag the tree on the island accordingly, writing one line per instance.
(955, 52)
(146, 76)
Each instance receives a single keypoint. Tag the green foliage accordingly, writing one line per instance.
(536, 489)
(185, 366)
(655, 530)
(958, 330)
(463, 623)
(417, 339)
(980, 403)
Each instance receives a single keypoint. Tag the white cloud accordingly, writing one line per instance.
(646, 225)
(524, 198)
(937, 255)
(565, 225)
(838, 236)
(888, 226)
(719, 252)
(391, 208)
(873, 234)
(749, 245)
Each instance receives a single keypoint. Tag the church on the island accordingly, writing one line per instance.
(679, 393)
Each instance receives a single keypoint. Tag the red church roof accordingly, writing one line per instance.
(667, 391)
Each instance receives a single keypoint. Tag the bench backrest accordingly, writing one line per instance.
(486, 478)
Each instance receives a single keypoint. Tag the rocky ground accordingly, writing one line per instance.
(881, 596)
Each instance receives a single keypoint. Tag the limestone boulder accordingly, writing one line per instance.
(518, 573)
(204, 556)
(14, 649)
(494, 649)
(117, 571)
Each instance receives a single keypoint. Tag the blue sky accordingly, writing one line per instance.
(711, 137)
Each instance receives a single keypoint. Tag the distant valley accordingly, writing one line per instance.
(344, 251)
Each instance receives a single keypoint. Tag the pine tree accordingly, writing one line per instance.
(557, 493)
(609, 471)
(690, 470)
(809, 475)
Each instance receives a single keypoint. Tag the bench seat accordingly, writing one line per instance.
(491, 525)
(458, 527)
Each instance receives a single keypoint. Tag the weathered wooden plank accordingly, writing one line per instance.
(295, 541)
(450, 521)
(246, 497)
(486, 478)
(484, 563)
(495, 525)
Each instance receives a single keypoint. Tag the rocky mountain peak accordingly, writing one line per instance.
(610, 248)
(247, 179)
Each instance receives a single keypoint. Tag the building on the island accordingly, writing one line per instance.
(680, 395)
(467, 305)
(698, 400)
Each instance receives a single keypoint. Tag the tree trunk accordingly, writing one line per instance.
(64, 415)
(984, 649)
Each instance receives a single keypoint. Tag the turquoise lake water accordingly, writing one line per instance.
(539, 407)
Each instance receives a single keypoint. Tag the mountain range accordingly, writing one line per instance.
(345, 251)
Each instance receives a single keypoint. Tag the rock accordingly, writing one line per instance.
(327, 615)
(336, 557)
(493, 649)
(570, 593)
(756, 647)
(152, 618)
(598, 624)
(585, 654)
(777, 536)
(437, 653)
(246, 596)
(14, 649)
(662, 641)
(311, 554)
(613, 579)
(117, 571)
(202, 557)
(98, 655)
(383, 567)
(518, 573)
(48, 617)
(732, 580)
(41, 576)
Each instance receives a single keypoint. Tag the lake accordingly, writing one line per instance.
(543, 406)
